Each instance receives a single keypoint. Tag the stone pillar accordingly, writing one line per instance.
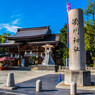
(76, 40)
(73, 88)
(77, 59)
(38, 86)
(10, 80)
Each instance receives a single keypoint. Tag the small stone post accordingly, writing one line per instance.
(38, 86)
(60, 67)
(10, 80)
(73, 88)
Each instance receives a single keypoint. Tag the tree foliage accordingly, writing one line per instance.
(90, 37)
(90, 9)
(90, 30)
(63, 46)
(3, 39)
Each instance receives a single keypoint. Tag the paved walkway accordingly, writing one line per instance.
(49, 82)
(21, 76)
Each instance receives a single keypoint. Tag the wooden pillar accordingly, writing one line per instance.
(19, 59)
(38, 53)
(8, 50)
(54, 56)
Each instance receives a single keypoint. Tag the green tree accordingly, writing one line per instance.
(62, 51)
(90, 9)
(90, 39)
(2, 40)
(90, 29)
(3, 37)
(86, 10)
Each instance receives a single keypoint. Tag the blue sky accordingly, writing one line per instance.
(35, 13)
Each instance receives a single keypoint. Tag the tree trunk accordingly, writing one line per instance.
(94, 61)
(93, 17)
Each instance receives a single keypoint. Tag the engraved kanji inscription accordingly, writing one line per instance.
(75, 21)
(76, 40)
(76, 48)
(76, 30)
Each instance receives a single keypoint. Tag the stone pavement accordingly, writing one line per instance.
(22, 75)
(49, 81)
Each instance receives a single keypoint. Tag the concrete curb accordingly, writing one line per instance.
(9, 88)
(61, 85)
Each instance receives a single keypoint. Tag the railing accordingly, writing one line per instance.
(63, 68)
(19, 68)
(90, 68)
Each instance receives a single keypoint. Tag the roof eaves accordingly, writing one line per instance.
(25, 37)
(34, 28)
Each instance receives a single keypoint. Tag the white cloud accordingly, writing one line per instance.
(0, 27)
(16, 15)
(15, 21)
(10, 28)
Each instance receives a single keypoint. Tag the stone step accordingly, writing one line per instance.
(34, 69)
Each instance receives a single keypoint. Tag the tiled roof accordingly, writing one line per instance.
(31, 32)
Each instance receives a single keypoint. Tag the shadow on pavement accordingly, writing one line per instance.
(26, 87)
(49, 90)
(85, 94)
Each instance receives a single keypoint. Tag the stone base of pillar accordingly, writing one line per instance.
(10, 88)
(48, 67)
(82, 77)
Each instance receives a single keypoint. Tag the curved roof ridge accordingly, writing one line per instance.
(33, 28)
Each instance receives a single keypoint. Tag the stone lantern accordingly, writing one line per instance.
(48, 63)
(48, 58)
